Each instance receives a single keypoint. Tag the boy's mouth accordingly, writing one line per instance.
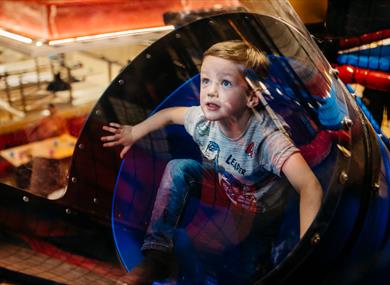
(212, 106)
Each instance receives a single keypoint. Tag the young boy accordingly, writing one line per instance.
(250, 157)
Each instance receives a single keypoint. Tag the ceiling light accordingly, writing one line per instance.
(15, 37)
(111, 35)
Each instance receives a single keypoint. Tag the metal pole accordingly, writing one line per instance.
(38, 72)
(69, 75)
(109, 71)
(22, 94)
(8, 93)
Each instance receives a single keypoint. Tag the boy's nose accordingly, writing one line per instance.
(212, 91)
(211, 94)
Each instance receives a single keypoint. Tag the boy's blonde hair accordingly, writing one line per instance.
(241, 53)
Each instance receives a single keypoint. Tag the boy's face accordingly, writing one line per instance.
(224, 93)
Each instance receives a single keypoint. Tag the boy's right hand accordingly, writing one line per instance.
(122, 135)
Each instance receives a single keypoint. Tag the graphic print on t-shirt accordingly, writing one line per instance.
(239, 194)
(212, 150)
(250, 149)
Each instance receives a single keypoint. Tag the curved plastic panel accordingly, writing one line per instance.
(300, 92)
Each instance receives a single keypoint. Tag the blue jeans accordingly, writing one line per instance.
(185, 178)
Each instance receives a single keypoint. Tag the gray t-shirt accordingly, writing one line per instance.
(248, 167)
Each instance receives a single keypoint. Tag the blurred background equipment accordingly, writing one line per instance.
(356, 40)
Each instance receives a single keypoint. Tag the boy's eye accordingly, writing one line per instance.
(226, 83)
(205, 81)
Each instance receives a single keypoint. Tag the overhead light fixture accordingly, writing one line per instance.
(111, 35)
(23, 39)
(15, 37)
(58, 84)
(62, 41)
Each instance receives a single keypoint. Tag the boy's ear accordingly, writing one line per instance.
(253, 99)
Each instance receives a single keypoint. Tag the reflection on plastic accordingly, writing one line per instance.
(313, 119)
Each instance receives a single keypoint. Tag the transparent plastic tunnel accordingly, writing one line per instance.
(333, 135)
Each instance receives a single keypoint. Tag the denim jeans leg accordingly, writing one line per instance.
(181, 178)
(251, 259)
